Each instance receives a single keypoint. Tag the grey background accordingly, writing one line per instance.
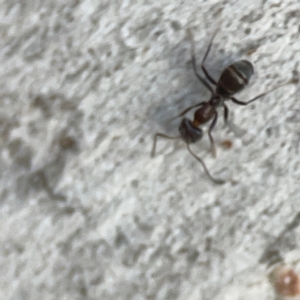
(85, 212)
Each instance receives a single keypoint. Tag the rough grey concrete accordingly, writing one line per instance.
(85, 212)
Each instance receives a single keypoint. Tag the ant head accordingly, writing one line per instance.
(188, 132)
(216, 100)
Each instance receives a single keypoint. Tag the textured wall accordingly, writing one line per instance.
(85, 212)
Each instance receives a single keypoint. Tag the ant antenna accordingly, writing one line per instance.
(163, 136)
(217, 181)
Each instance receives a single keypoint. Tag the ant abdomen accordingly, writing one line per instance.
(189, 132)
(234, 78)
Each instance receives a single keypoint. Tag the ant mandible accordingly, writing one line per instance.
(233, 79)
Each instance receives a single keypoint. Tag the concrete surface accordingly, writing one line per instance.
(85, 212)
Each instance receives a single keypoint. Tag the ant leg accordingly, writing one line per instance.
(205, 56)
(187, 110)
(194, 63)
(259, 96)
(163, 136)
(236, 101)
(232, 127)
(226, 113)
(212, 142)
(217, 181)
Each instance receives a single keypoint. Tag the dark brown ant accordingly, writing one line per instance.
(233, 79)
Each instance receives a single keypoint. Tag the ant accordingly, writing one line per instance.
(233, 79)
